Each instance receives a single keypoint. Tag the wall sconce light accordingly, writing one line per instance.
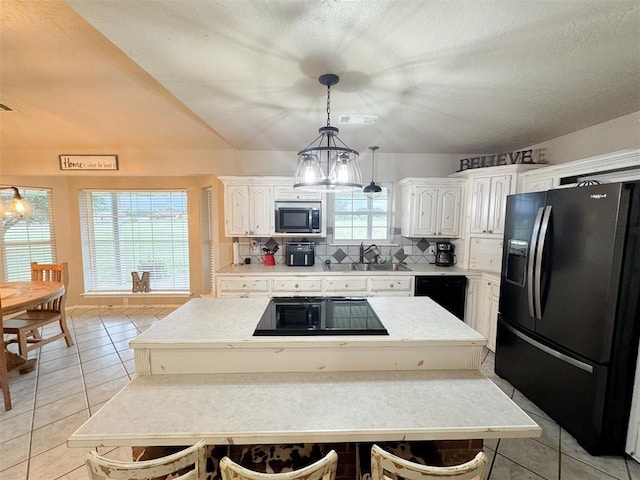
(18, 206)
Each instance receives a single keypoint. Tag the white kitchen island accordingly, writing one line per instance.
(201, 374)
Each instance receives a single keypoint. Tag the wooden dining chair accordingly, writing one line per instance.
(4, 373)
(192, 458)
(386, 466)
(323, 469)
(26, 326)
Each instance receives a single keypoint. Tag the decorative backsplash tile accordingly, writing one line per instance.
(326, 250)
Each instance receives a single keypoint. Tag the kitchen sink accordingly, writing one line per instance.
(363, 267)
(383, 267)
(340, 267)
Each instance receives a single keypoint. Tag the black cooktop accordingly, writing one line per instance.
(319, 316)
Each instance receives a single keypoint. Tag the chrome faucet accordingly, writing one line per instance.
(364, 251)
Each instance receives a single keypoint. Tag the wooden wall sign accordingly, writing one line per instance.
(88, 162)
(537, 155)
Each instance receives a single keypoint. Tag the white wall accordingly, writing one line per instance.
(621, 133)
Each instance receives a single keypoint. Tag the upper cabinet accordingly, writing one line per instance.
(249, 205)
(431, 207)
(248, 210)
(488, 201)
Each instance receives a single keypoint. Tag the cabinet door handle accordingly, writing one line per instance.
(391, 285)
(490, 231)
(296, 285)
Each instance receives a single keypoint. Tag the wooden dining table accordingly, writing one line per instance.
(18, 296)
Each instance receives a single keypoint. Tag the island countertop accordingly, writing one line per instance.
(285, 270)
(233, 320)
(299, 407)
(215, 335)
(201, 374)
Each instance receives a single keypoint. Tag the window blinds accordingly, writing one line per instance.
(134, 231)
(27, 239)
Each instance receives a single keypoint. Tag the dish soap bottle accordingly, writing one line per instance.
(389, 258)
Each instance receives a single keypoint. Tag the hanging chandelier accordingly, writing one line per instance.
(327, 163)
(372, 190)
(18, 206)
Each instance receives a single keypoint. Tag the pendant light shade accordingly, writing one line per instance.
(328, 164)
(372, 190)
(18, 206)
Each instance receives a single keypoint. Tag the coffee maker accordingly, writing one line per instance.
(444, 254)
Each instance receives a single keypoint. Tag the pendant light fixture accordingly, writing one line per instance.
(328, 164)
(18, 206)
(372, 190)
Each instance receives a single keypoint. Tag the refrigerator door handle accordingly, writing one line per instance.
(544, 228)
(554, 353)
(532, 258)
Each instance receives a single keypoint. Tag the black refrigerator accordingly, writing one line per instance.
(568, 323)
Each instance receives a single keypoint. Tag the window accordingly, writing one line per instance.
(134, 231)
(26, 239)
(357, 217)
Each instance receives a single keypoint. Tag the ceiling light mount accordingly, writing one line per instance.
(372, 190)
(328, 164)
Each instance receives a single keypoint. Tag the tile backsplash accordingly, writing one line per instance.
(401, 249)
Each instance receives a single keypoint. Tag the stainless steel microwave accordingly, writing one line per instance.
(298, 217)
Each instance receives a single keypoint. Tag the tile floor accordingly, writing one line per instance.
(70, 384)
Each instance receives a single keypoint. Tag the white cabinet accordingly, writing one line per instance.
(431, 207)
(243, 286)
(488, 202)
(344, 284)
(485, 254)
(296, 286)
(488, 309)
(389, 286)
(286, 193)
(248, 210)
(472, 304)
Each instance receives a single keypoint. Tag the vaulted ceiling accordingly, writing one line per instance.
(480, 76)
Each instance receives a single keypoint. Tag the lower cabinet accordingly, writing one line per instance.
(391, 286)
(243, 286)
(342, 285)
(295, 287)
(483, 294)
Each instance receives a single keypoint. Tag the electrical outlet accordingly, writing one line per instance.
(254, 246)
(407, 249)
(431, 250)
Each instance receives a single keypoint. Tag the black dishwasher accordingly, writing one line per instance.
(449, 291)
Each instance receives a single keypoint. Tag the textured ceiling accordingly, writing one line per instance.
(441, 76)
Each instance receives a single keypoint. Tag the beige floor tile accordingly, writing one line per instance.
(54, 378)
(63, 389)
(505, 469)
(121, 328)
(128, 354)
(121, 336)
(59, 353)
(130, 365)
(100, 362)
(104, 392)
(613, 465)
(77, 474)
(14, 451)
(104, 375)
(88, 336)
(95, 343)
(573, 469)
(532, 455)
(19, 403)
(122, 345)
(57, 410)
(97, 352)
(56, 433)
(15, 426)
(57, 364)
(17, 472)
(56, 462)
